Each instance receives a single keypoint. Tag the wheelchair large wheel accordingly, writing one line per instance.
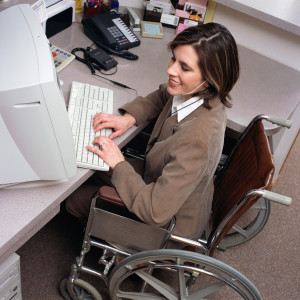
(177, 274)
(248, 226)
(82, 290)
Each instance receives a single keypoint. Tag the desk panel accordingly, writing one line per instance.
(265, 86)
(282, 14)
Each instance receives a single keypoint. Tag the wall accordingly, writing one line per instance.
(132, 3)
(263, 38)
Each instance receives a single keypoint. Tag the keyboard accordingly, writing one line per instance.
(85, 101)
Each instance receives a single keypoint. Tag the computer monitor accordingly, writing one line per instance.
(36, 143)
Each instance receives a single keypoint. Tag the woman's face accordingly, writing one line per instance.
(184, 72)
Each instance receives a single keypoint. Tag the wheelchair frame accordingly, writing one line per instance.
(144, 261)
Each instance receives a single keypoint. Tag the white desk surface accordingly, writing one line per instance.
(280, 13)
(24, 212)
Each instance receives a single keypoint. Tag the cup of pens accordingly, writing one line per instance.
(91, 8)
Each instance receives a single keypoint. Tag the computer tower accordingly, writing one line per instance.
(10, 279)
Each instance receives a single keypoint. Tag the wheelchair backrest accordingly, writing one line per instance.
(249, 167)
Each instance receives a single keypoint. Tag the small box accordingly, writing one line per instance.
(89, 11)
(196, 11)
(152, 13)
(182, 14)
(60, 16)
(169, 20)
(166, 5)
(152, 30)
(181, 27)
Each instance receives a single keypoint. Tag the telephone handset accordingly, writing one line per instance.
(109, 30)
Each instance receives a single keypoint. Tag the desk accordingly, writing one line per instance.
(24, 212)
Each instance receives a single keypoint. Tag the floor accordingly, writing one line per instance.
(270, 260)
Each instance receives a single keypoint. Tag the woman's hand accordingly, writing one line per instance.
(108, 150)
(119, 124)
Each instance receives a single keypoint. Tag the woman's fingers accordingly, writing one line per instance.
(102, 120)
(119, 124)
(108, 150)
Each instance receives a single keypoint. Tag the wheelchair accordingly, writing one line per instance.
(136, 262)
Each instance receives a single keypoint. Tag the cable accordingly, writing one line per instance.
(117, 83)
(124, 54)
(93, 67)
(83, 60)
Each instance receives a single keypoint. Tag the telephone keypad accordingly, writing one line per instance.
(118, 35)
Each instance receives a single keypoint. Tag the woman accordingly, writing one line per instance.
(186, 143)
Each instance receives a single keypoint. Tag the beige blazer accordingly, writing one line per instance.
(180, 163)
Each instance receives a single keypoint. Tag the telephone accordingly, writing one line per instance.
(107, 30)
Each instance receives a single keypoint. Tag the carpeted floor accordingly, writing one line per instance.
(270, 260)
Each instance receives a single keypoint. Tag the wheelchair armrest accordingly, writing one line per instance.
(277, 197)
(110, 194)
(279, 121)
(109, 200)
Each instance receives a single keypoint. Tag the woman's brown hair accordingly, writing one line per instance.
(218, 58)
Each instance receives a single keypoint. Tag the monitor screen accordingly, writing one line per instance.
(37, 147)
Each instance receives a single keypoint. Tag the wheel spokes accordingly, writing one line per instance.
(241, 231)
(139, 296)
(206, 291)
(182, 284)
(163, 288)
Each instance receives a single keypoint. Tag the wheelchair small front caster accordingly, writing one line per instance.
(82, 290)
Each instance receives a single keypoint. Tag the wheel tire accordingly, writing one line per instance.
(243, 233)
(63, 289)
(187, 267)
